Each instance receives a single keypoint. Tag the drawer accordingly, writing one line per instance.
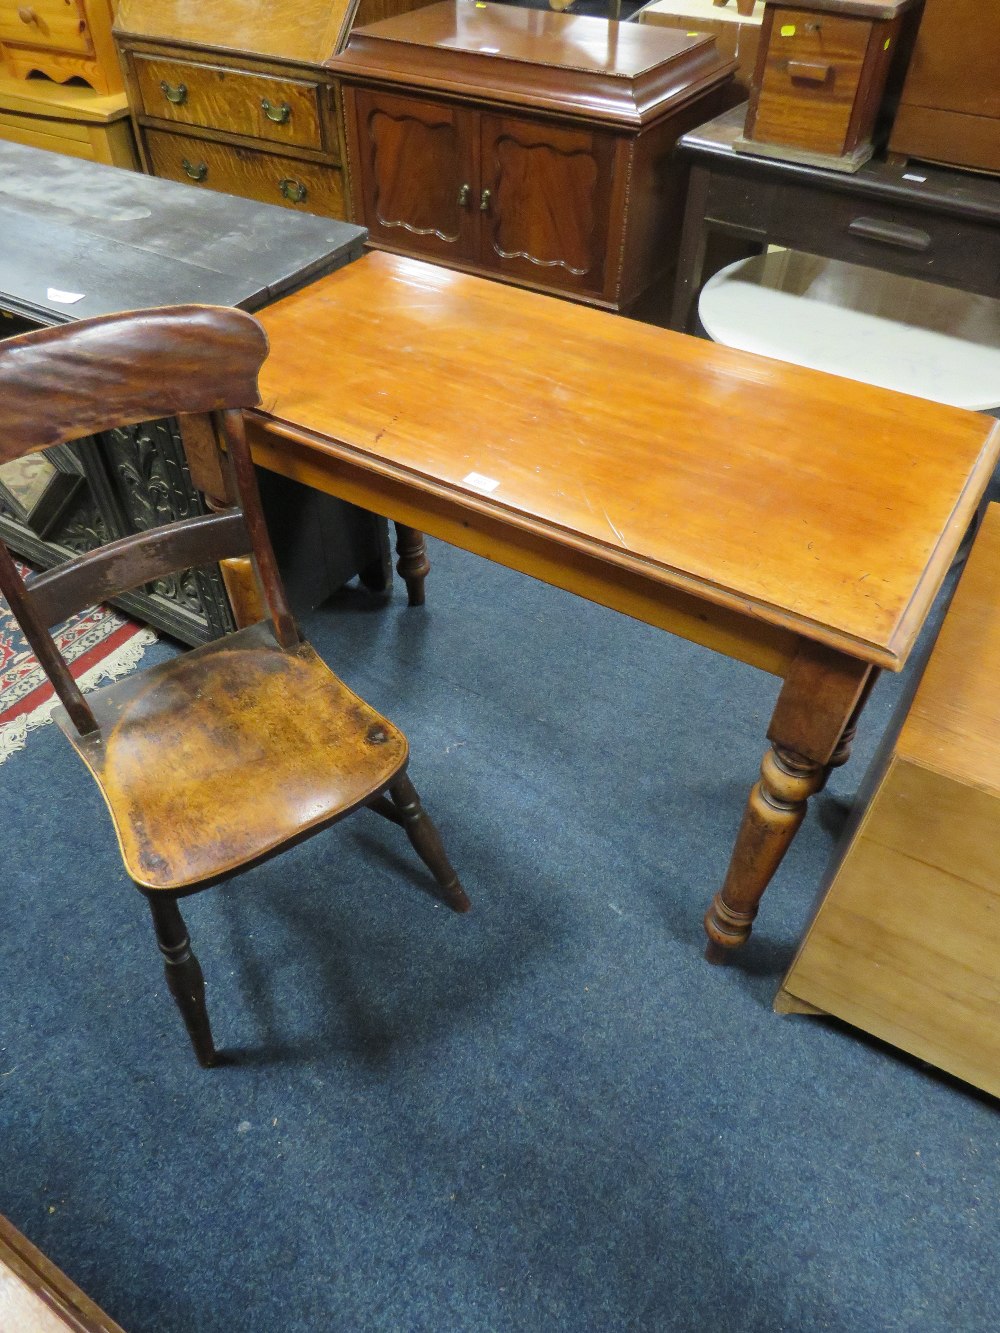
(313, 187)
(959, 252)
(811, 76)
(50, 25)
(283, 111)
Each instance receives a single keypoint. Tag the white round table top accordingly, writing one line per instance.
(900, 333)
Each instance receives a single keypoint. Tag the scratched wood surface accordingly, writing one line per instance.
(804, 500)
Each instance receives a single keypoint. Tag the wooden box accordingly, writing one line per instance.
(821, 76)
(62, 39)
(737, 35)
(528, 146)
(68, 119)
(232, 95)
(906, 941)
(950, 106)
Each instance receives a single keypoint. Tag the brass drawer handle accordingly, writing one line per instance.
(484, 201)
(279, 114)
(197, 173)
(293, 190)
(178, 95)
(890, 233)
(806, 72)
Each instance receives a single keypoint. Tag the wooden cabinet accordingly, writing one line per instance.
(62, 39)
(233, 96)
(950, 106)
(821, 74)
(532, 147)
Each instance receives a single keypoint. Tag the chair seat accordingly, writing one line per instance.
(222, 755)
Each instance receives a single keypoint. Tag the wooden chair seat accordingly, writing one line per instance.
(253, 745)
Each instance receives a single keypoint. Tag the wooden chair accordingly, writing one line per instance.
(225, 755)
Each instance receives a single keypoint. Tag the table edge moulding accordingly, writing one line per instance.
(642, 488)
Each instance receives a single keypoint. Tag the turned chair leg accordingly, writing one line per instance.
(405, 810)
(183, 973)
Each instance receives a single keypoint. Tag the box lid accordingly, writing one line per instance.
(620, 72)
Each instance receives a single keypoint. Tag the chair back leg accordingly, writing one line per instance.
(183, 973)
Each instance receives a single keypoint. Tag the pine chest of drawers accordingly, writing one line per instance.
(62, 39)
(233, 96)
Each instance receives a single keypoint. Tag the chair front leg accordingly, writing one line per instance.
(426, 841)
(183, 974)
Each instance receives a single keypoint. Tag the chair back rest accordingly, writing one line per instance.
(198, 363)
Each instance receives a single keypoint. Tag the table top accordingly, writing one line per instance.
(958, 193)
(121, 240)
(830, 508)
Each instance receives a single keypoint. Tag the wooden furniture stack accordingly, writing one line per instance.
(822, 73)
(950, 106)
(529, 146)
(736, 30)
(906, 942)
(60, 83)
(233, 96)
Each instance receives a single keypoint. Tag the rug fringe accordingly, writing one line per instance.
(14, 734)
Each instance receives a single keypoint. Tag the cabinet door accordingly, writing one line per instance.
(545, 202)
(419, 174)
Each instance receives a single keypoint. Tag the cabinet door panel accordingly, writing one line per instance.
(419, 174)
(545, 216)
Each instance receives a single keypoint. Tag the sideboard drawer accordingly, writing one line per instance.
(52, 25)
(269, 177)
(284, 111)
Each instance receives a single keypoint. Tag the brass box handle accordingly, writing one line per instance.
(178, 95)
(279, 114)
(293, 190)
(197, 173)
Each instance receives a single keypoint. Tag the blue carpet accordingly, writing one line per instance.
(548, 1115)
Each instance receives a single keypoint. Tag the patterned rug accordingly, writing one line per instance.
(99, 645)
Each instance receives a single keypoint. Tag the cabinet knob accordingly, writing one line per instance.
(176, 95)
(294, 191)
(463, 196)
(26, 15)
(197, 173)
(279, 114)
(484, 201)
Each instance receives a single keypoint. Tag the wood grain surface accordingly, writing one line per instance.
(804, 501)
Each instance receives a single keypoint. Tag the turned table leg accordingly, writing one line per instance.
(811, 731)
(413, 566)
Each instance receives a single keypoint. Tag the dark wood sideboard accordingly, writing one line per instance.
(527, 146)
(116, 240)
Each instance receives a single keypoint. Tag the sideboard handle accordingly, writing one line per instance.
(484, 201)
(464, 191)
(176, 95)
(197, 173)
(890, 233)
(279, 114)
(293, 190)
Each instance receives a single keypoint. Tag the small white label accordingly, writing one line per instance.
(907, 176)
(480, 482)
(64, 298)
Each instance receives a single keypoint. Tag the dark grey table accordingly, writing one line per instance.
(119, 240)
(910, 218)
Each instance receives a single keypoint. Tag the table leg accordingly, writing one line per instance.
(811, 732)
(413, 565)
